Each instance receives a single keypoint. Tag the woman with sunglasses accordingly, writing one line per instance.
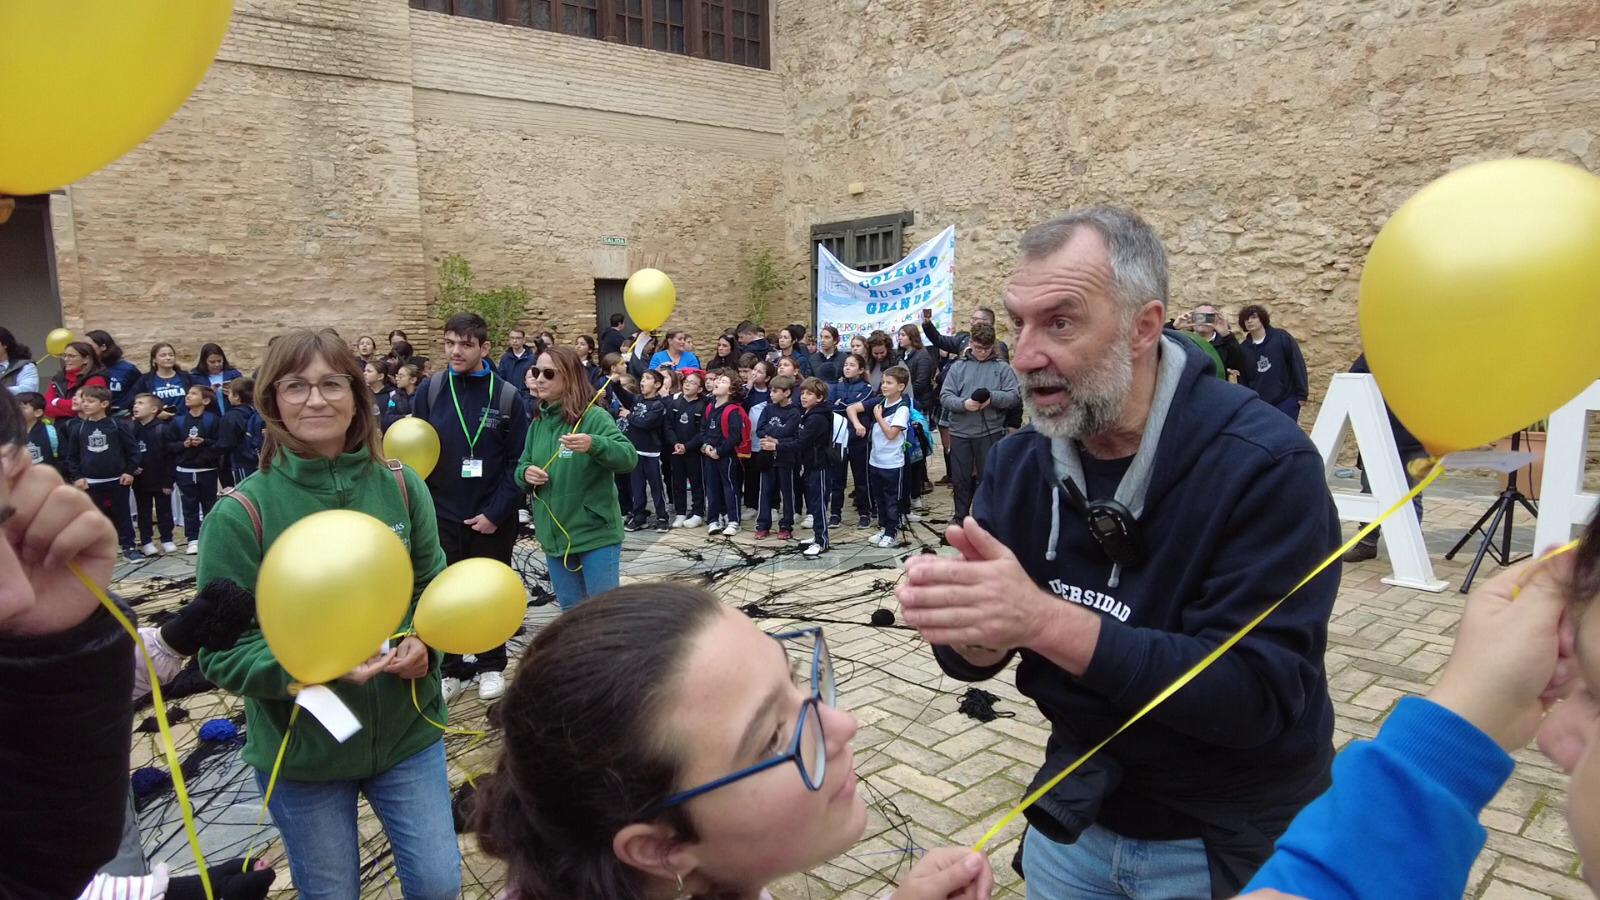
(322, 451)
(570, 463)
(658, 744)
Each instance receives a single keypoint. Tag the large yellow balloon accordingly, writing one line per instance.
(472, 606)
(414, 442)
(1480, 301)
(332, 588)
(57, 340)
(84, 81)
(649, 297)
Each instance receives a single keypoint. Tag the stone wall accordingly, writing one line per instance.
(339, 148)
(1266, 140)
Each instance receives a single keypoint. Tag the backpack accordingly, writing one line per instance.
(743, 450)
(503, 401)
(917, 445)
(255, 434)
(254, 512)
(839, 442)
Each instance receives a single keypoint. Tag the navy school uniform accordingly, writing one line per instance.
(684, 420)
(100, 453)
(647, 429)
(754, 399)
(44, 446)
(842, 396)
(809, 444)
(169, 389)
(235, 443)
(777, 478)
(122, 380)
(154, 482)
(195, 467)
(724, 476)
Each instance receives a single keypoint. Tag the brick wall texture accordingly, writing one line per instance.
(340, 148)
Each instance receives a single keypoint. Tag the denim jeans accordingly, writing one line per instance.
(597, 575)
(412, 800)
(1105, 864)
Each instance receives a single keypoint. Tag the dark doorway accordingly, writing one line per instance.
(608, 300)
(29, 303)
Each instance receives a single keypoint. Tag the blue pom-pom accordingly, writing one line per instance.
(218, 730)
(150, 780)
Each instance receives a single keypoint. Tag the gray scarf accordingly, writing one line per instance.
(1135, 482)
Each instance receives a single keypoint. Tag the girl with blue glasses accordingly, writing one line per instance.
(657, 744)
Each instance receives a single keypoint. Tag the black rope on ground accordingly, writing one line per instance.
(979, 704)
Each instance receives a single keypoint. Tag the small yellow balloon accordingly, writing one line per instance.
(414, 442)
(57, 341)
(649, 297)
(472, 606)
(331, 589)
(1496, 261)
(83, 82)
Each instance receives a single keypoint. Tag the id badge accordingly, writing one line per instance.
(565, 453)
(471, 468)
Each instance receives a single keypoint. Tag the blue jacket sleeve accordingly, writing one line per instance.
(507, 497)
(1403, 810)
(1282, 528)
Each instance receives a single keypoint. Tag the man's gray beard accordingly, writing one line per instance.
(1097, 397)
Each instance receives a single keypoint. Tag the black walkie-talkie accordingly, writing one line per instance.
(1112, 526)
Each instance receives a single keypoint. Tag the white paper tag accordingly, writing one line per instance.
(471, 468)
(325, 705)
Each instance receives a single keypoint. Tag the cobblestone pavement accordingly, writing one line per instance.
(934, 776)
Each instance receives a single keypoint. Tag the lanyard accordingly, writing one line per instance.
(472, 442)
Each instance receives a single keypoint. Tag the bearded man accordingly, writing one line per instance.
(1146, 514)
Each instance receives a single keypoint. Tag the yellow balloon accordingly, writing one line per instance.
(1479, 300)
(331, 589)
(57, 340)
(414, 442)
(83, 82)
(649, 297)
(472, 606)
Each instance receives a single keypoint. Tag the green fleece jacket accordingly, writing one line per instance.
(581, 495)
(291, 489)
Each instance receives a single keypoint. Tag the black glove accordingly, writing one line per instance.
(211, 621)
(980, 395)
(228, 881)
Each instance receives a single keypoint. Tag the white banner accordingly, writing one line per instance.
(864, 302)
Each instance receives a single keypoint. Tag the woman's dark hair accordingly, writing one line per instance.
(589, 349)
(1259, 312)
(157, 348)
(14, 350)
(412, 368)
(880, 339)
(206, 352)
(797, 333)
(91, 355)
(385, 368)
(297, 349)
(860, 361)
(1586, 566)
(583, 753)
(915, 335)
(112, 354)
(830, 330)
(399, 332)
(400, 351)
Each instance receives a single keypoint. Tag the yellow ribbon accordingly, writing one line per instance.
(168, 747)
(1205, 663)
(272, 782)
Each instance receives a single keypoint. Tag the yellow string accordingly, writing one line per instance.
(1203, 664)
(554, 520)
(167, 746)
(1568, 547)
(272, 781)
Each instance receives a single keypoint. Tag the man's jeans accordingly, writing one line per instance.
(1104, 864)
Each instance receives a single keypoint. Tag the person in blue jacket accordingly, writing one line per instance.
(1402, 816)
(1274, 367)
(165, 381)
(214, 369)
(122, 376)
(1098, 552)
(852, 388)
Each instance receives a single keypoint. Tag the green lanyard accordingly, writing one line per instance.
(472, 442)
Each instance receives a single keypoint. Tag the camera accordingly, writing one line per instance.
(1205, 318)
(980, 395)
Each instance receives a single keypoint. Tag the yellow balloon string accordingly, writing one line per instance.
(272, 781)
(1568, 547)
(554, 520)
(167, 746)
(1205, 663)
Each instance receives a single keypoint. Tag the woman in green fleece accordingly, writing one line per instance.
(571, 472)
(321, 451)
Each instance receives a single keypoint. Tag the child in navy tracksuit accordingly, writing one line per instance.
(853, 389)
(44, 439)
(777, 423)
(193, 441)
(101, 458)
(153, 482)
(719, 444)
(685, 415)
(647, 428)
(810, 444)
(235, 434)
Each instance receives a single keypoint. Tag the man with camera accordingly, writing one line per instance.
(979, 390)
(1148, 512)
(1212, 324)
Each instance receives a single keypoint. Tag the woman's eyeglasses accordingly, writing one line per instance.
(546, 374)
(298, 390)
(808, 749)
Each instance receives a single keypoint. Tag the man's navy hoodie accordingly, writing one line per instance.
(495, 495)
(514, 368)
(1234, 755)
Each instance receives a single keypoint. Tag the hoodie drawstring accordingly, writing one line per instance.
(1055, 524)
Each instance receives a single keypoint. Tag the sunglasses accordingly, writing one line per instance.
(546, 374)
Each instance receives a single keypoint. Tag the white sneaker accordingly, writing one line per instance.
(169, 547)
(693, 522)
(887, 542)
(677, 521)
(731, 530)
(150, 549)
(807, 522)
(451, 688)
(876, 537)
(715, 527)
(491, 685)
(813, 551)
(913, 517)
(194, 548)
